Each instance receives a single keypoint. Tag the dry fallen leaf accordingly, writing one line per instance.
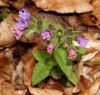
(83, 83)
(89, 56)
(92, 18)
(88, 19)
(8, 89)
(6, 67)
(96, 57)
(52, 84)
(17, 76)
(37, 91)
(94, 88)
(2, 4)
(6, 35)
(29, 63)
(71, 90)
(18, 4)
(64, 6)
(96, 11)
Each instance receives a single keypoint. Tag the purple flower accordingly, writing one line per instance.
(46, 35)
(22, 24)
(17, 33)
(82, 41)
(72, 54)
(24, 14)
(50, 48)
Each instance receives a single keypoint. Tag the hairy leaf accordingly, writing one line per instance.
(40, 55)
(41, 71)
(61, 58)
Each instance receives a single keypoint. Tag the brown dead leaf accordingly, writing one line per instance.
(95, 70)
(96, 57)
(18, 4)
(89, 56)
(17, 76)
(2, 3)
(6, 35)
(96, 11)
(6, 67)
(52, 84)
(95, 60)
(37, 91)
(94, 88)
(92, 18)
(28, 69)
(8, 89)
(29, 63)
(71, 90)
(64, 6)
(83, 83)
(88, 19)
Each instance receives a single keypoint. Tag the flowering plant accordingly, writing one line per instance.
(57, 60)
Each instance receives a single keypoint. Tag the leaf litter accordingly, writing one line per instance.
(17, 62)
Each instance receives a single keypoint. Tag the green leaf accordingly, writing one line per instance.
(73, 78)
(40, 55)
(41, 71)
(56, 73)
(61, 41)
(29, 32)
(45, 24)
(68, 31)
(4, 14)
(75, 35)
(64, 64)
(59, 27)
(39, 26)
(81, 50)
(54, 40)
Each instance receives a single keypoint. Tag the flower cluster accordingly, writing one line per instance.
(22, 22)
(47, 35)
(60, 50)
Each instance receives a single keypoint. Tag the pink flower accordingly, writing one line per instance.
(22, 24)
(24, 14)
(46, 35)
(50, 48)
(82, 41)
(72, 54)
(17, 33)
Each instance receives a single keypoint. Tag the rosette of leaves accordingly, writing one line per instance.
(55, 65)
